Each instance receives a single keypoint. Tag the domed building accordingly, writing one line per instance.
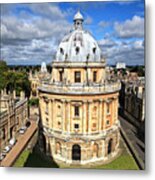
(79, 106)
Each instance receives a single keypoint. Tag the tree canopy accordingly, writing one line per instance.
(14, 80)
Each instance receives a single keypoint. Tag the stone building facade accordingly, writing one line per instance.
(13, 115)
(132, 99)
(79, 105)
(37, 78)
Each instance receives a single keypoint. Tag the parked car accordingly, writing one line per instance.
(2, 156)
(7, 149)
(12, 142)
(22, 130)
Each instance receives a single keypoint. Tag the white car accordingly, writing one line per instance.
(22, 130)
(7, 149)
(12, 142)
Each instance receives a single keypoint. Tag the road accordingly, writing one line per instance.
(131, 132)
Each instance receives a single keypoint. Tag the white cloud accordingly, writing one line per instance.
(88, 20)
(130, 52)
(130, 28)
(107, 42)
(32, 37)
(103, 24)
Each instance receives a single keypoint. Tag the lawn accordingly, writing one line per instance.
(33, 159)
(22, 159)
(123, 162)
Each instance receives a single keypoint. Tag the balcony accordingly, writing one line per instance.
(81, 88)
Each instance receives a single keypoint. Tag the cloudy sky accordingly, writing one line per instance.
(30, 33)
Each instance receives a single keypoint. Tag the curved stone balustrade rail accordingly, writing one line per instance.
(81, 88)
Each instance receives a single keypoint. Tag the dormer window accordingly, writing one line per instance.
(94, 50)
(61, 51)
(77, 50)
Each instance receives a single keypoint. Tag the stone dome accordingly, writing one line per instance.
(78, 45)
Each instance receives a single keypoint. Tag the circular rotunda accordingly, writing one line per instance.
(78, 105)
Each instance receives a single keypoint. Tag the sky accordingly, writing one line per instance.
(31, 33)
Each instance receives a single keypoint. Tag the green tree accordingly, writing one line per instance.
(14, 80)
(3, 69)
(18, 81)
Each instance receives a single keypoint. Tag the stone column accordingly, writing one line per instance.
(84, 117)
(103, 148)
(100, 115)
(89, 74)
(69, 116)
(49, 114)
(54, 75)
(104, 114)
(89, 115)
(63, 115)
(53, 105)
(116, 108)
(112, 111)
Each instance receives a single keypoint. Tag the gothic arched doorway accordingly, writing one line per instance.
(76, 152)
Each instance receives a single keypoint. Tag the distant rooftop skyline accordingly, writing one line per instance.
(30, 33)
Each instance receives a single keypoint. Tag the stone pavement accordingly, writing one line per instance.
(22, 142)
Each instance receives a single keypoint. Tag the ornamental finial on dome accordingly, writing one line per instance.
(78, 16)
(78, 20)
